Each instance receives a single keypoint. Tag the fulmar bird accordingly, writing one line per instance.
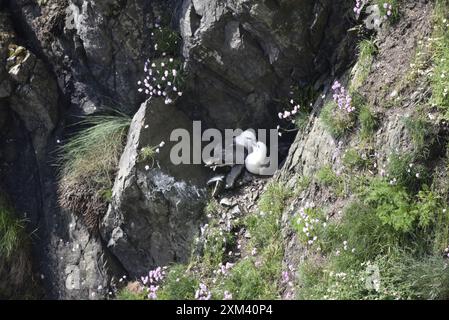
(237, 151)
(257, 161)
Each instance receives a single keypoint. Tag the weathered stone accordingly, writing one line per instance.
(242, 54)
(35, 100)
(157, 206)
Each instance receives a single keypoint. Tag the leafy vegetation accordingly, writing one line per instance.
(12, 234)
(16, 278)
(353, 160)
(390, 229)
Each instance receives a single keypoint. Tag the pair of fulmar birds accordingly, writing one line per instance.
(243, 147)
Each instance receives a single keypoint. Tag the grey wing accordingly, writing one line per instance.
(236, 171)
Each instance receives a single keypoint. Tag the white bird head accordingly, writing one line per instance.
(261, 147)
(246, 139)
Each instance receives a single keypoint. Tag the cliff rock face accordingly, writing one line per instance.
(78, 57)
(157, 207)
(241, 55)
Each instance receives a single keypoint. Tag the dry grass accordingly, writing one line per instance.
(88, 165)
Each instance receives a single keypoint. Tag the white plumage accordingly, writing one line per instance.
(257, 160)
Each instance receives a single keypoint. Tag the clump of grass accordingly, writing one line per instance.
(440, 57)
(88, 164)
(212, 207)
(367, 50)
(329, 178)
(12, 232)
(15, 264)
(368, 122)
(248, 281)
(405, 170)
(353, 160)
(133, 291)
(179, 284)
(302, 183)
(305, 97)
(147, 154)
(214, 249)
(258, 277)
(265, 226)
(336, 121)
(95, 150)
(423, 135)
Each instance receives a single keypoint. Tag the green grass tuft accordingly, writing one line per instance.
(423, 134)
(12, 231)
(367, 50)
(368, 123)
(178, 285)
(329, 178)
(94, 151)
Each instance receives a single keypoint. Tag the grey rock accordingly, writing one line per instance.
(226, 202)
(35, 100)
(238, 53)
(157, 206)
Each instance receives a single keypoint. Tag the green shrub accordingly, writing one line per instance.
(402, 235)
(392, 205)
